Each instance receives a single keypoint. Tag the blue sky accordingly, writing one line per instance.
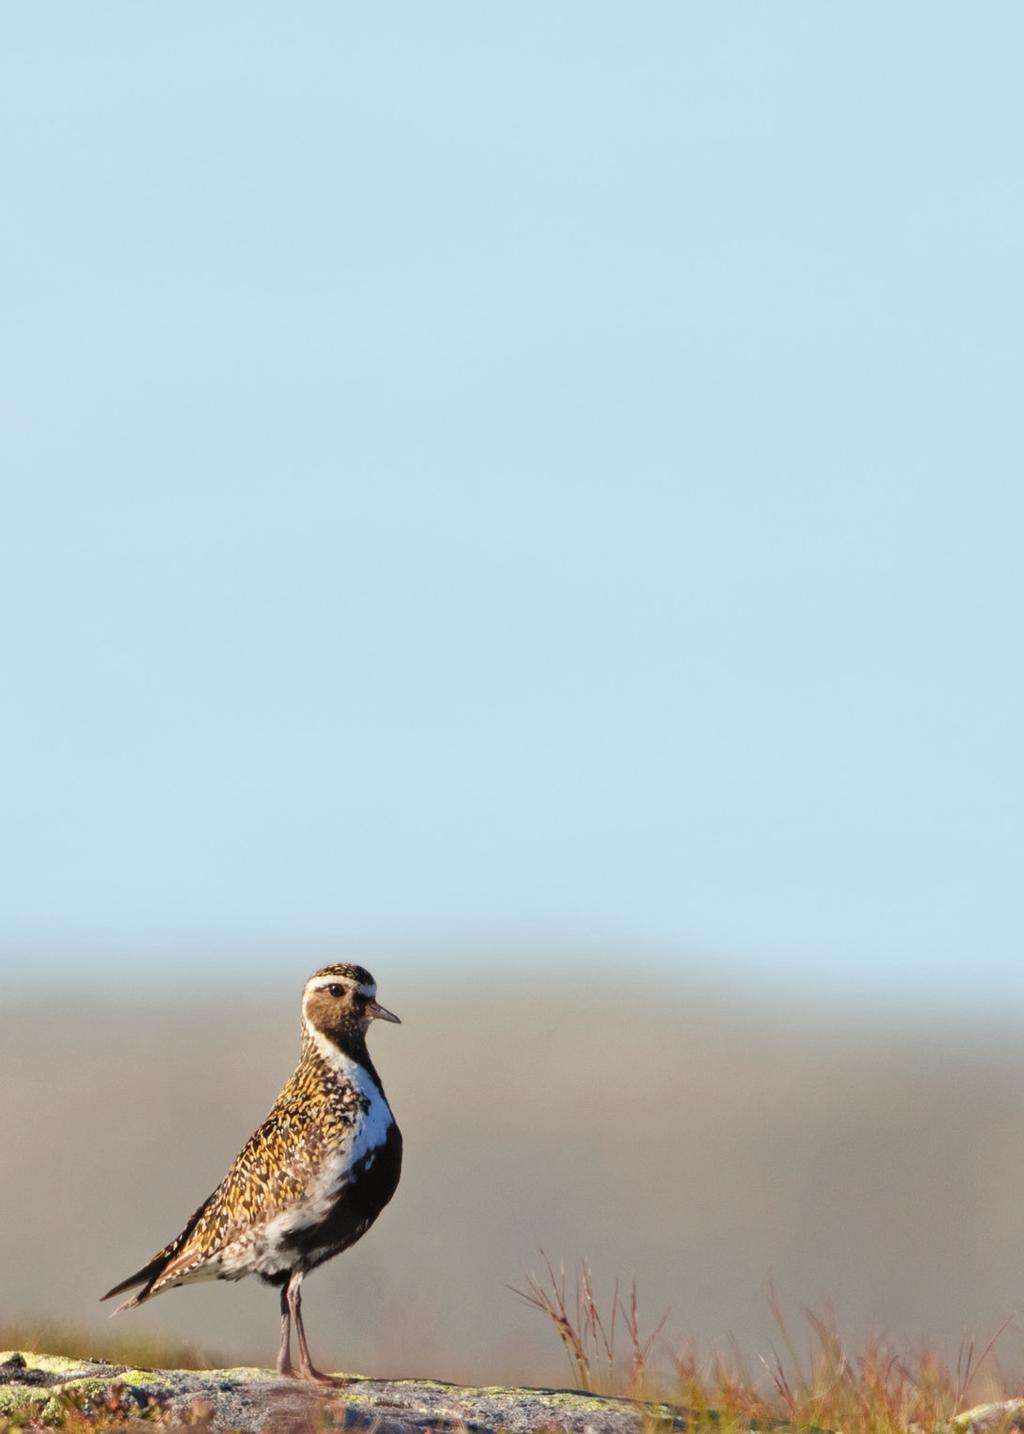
(515, 477)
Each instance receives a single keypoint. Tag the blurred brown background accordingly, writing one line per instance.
(705, 1142)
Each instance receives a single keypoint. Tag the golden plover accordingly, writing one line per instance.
(310, 1181)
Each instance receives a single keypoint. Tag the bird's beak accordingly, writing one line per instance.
(376, 1012)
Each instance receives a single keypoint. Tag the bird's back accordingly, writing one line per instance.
(307, 1183)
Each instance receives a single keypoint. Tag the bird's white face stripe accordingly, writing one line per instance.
(322, 983)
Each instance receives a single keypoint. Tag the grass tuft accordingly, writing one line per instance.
(877, 1390)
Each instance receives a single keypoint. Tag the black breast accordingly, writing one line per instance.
(367, 1189)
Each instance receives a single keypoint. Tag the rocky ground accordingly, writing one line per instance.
(41, 1389)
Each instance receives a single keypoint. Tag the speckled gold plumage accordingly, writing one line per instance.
(312, 1115)
(329, 1139)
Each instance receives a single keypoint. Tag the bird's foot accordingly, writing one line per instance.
(317, 1376)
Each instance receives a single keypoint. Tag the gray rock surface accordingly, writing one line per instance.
(42, 1388)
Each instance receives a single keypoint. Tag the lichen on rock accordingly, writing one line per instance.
(38, 1389)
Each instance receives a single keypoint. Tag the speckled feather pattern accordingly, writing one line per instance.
(324, 1130)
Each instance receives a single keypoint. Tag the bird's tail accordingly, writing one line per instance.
(154, 1268)
(146, 1277)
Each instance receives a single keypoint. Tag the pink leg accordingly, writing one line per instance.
(307, 1370)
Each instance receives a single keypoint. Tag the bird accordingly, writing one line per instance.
(310, 1181)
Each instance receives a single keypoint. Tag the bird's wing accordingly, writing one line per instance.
(269, 1176)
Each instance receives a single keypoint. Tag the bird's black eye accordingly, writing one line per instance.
(336, 990)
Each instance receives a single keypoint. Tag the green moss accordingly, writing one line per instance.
(144, 1379)
(55, 1408)
(52, 1401)
(1010, 1409)
(574, 1401)
(558, 1398)
(17, 1399)
(437, 1384)
(48, 1363)
(134, 1379)
(238, 1374)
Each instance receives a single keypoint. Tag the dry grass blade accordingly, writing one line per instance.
(550, 1300)
(640, 1347)
(877, 1391)
(588, 1337)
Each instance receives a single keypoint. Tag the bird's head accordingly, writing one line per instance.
(339, 1002)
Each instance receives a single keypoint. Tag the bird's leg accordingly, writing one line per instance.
(307, 1370)
(284, 1353)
